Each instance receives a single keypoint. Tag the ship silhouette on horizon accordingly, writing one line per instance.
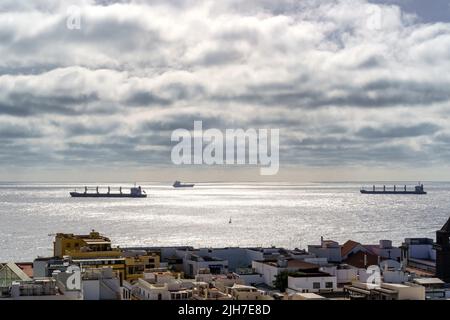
(178, 184)
(418, 189)
(135, 192)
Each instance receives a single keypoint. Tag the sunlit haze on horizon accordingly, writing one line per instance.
(92, 92)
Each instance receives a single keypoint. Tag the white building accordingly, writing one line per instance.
(311, 282)
(420, 254)
(235, 257)
(331, 250)
(42, 289)
(249, 276)
(163, 286)
(420, 248)
(319, 261)
(386, 250)
(144, 290)
(238, 258)
(243, 292)
(260, 254)
(223, 282)
(385, 291)
(343, 273)
(395, 276)
(435, 288)
(406, 291)
(127, 290)
(193, 263)
(305, 296)
(270, 269)
(101, 284)
(204, 275)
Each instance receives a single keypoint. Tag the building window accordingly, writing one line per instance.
(329, 285)
(316, 285)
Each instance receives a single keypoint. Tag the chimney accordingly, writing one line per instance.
(321, 241)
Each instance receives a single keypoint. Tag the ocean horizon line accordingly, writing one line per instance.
(221, 182)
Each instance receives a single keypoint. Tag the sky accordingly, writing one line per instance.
(360, 90)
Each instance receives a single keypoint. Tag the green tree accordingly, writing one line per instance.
(281, 281)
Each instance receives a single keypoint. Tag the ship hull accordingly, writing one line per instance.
(105, 195)
(184, 186)
(393, 192)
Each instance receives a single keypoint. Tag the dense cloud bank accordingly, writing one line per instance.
(345, 81)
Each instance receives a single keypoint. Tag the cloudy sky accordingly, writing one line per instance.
(359, 89)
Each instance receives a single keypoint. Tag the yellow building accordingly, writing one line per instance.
(137, 264)
(90, 251)
(88, 246)
(95, 251)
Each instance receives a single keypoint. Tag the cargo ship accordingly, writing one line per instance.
(419, 189)
(178, 184)
(135, 192)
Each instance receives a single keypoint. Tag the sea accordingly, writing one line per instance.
(216, 215)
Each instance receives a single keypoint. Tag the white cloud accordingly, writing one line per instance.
(322, 71)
